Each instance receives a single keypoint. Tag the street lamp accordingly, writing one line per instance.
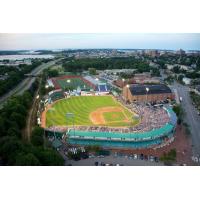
(147, 90)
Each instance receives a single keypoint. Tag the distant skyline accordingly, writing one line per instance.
(168, 41)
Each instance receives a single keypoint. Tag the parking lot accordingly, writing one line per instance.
(114, 160)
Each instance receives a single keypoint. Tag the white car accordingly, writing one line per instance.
(135, 156)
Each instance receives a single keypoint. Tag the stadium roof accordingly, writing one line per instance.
(153, 89)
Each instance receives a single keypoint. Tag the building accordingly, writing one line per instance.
(142, 78)
(152, 53)
(180, 52)
(147, 93)
(169, 67)
(186, 81)
(184, 67)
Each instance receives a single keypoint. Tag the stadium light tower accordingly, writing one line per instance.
(123, 80)
(127, 87)
(147, 90)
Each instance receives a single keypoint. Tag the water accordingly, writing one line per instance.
(24, 56)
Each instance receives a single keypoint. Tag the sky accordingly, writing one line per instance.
(29, 41)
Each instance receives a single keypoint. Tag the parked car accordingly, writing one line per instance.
(135, 156)
(156, 159)
(142, 156)
(96, 163)
(151, 158)
(145, 157)
(130, 157)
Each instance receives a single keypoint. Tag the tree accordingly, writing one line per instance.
(26, 160)
(19, 119)
(50, 157)
(37, 137)
(178, 110)
(2, 126)
(14, 131)
(92, 71)
(53, 73)
(9, 147)
(176, 69)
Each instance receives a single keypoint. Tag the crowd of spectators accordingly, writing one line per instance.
(150, 117)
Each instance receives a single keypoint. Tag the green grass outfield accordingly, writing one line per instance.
(82, 106)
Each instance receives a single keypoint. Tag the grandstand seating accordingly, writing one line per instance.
(56, 95)
(137, 136)
(130, 140)
(173, 117)
(102, 88)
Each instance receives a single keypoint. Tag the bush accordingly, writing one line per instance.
(169, 157)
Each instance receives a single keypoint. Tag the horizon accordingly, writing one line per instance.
(126, 41)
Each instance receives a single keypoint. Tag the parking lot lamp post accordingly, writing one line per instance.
(147, 90)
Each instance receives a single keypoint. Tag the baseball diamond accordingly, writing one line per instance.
(90, 110)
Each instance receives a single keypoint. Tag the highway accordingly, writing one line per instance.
(26, 83)
(191, 116)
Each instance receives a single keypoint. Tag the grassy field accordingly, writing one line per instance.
(82, 106)
(114, 116)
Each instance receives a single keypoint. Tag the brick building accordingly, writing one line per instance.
(147, 93)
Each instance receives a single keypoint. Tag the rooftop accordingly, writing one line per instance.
(136, 89)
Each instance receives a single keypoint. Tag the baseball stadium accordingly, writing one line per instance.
(95, 118)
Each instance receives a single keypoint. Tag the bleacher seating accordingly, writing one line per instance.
(102, 88)
(56, 95)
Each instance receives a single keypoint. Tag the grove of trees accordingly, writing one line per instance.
(13, 149)
(106, 63)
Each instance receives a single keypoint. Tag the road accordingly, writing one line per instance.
(26, 83)
(191, 116)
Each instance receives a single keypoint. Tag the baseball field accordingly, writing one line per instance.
(89, 111)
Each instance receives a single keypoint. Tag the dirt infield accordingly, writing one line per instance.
(97, 116)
